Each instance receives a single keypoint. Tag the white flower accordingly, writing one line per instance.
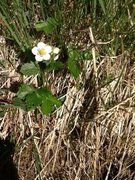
(56, 52)
(56, 57)
(42, 52)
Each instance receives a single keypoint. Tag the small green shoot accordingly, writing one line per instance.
(49, 26)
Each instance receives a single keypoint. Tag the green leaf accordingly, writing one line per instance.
(74, 67)
(54, 100)
(48, 100)
(43, 92)
(55, 65)
(29, 69)
(74, 54)
(48, 27)
(32, 101)
(18, 103)
(40, 26)
(46, 106)
(24, 90)
(87, 55)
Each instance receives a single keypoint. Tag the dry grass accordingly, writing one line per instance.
(90, 137)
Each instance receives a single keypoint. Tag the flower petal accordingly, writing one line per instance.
(41, 45)
(46, 57)
(38, 58)
(48, 49)
(56, 50)
(56, 57)
(34, 50)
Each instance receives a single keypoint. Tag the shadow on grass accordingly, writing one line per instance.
(8, 170)
(90, 104)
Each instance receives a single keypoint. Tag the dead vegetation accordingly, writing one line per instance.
(90, 137)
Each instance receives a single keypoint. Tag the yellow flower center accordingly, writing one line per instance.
(41, 52)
